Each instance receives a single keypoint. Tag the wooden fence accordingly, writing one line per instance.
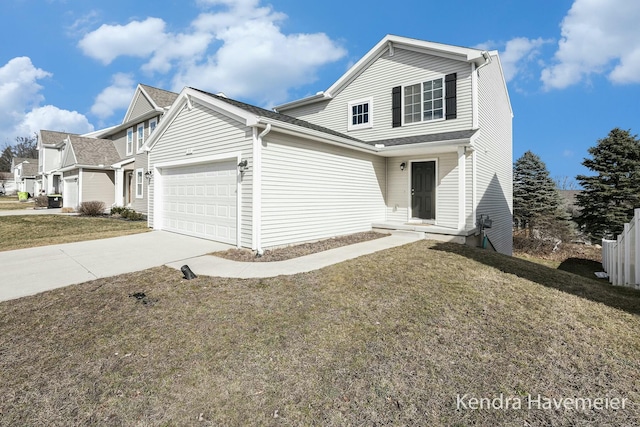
(621, 257)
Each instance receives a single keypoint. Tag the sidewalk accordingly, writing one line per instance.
(209, 265)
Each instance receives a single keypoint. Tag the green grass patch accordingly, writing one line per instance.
(390, 338)
(26, 231)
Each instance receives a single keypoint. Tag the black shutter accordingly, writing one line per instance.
(450, 96)
(396, 106)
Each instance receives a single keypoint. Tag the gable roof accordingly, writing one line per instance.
(15, 161)
(388, 44)
(94, 152)
(262, 112)
(50, 137)
(160, 97)
(159, 100)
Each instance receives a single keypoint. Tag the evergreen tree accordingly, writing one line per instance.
(609, 197)
(537, 205)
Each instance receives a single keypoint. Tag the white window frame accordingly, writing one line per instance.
(421, 83)
(139, 183)
(155, 124)
(369, 123)
(139, 137)
(129, 139)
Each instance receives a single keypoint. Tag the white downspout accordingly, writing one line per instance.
(257, 188)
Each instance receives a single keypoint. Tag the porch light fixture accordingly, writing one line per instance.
(243, 165)
(402, 166)
(148, 174)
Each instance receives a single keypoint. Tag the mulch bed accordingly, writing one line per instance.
(295, 251)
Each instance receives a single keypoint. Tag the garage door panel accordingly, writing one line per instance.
(201, 201)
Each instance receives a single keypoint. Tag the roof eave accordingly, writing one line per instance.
(316, 135)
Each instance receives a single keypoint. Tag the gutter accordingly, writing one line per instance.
(257, 187)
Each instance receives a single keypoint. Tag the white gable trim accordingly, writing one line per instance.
(388, 44)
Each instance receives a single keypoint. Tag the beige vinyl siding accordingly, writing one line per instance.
(140, 107)
(494, 157)
(399, 182)
(98, 185)
(120, 142)
(403, 68)
(313, 191)
(207, 132)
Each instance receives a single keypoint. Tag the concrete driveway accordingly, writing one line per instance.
(30, 271)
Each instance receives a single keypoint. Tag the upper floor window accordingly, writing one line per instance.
(140, 139)
(360, 114)
(152, 125)
(426, 101)
(129, 141)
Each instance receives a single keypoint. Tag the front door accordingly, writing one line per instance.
(423, 190)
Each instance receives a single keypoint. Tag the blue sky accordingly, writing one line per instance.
(573, 66)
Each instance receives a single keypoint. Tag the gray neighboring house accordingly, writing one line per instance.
(415, 136)
(108, 165)
(24, 174)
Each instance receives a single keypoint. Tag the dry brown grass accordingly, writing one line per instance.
(10, 203)
(27, 231)
(385, 339)
(295, 251)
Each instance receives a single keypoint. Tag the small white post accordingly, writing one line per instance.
(636, 230)
(627, 255)
(619, 261)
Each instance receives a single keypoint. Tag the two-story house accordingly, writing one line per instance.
(415, 136)
(24, 174)
(107, 165)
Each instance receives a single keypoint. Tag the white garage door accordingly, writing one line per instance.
(200, 201)
(70, 193)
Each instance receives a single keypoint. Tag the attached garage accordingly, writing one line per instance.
(70, 192)
(199, 200)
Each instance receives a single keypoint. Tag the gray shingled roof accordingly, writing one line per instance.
(52, 137)
(418, 139)
(162, 98)
(277, 116)
(94, 152)
(30, 168)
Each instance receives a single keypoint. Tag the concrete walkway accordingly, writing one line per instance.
(30, 271)
(31, 211)
(209, 265)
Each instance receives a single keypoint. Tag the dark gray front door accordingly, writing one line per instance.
(423, 190)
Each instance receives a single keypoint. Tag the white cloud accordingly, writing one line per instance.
(53, 118)
(137, 38)
(115, 97)
(233, 46)
(598, 37)
(518, 54)
(21, 112)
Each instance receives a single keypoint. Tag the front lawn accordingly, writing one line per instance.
(10, 203)
(406, 336)
(26, 231)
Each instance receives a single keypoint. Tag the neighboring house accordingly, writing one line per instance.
(107, 165)
(24, 174)
(7, 183)
(415, 136)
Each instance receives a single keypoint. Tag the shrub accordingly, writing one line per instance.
(92, 208)
(127, 213)
(42, 202)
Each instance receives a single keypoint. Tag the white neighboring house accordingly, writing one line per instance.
(24, 174)
(415, 136)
